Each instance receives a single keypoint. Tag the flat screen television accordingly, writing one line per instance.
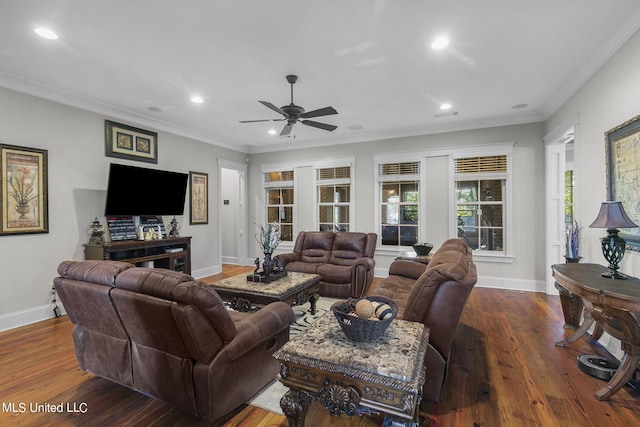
(134, 191)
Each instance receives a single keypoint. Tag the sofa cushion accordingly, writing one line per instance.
(156, 282)
(303, 267)
(347, 247)
(336, 274)
(316, 247)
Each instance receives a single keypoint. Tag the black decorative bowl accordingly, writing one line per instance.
(422, 249)
(357, 328)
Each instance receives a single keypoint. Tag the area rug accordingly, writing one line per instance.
(269, 397)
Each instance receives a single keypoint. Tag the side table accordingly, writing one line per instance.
(355, 378)
(609, 302)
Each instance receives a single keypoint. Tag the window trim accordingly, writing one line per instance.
(377, 179)
(279, 184)
(350, 163)
(506, 149)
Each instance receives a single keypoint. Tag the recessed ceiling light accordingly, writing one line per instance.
(520, 106)
(45, 33)
(197, 99)
(440, 43)
(156, 109)
(272, 131)
(445, 106)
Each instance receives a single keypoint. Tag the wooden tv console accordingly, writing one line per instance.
(173, 253)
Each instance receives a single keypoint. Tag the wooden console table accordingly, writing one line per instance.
(606, 300)
(173, 253)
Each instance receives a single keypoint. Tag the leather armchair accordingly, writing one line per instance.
(344, 260)
(167, 336)
(435, 295)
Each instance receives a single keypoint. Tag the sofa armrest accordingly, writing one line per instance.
(260, 327)
(409, 269)
(368, 263)
(284, 259)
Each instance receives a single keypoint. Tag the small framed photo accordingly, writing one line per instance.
(199, 203)
(128, 142)
(23, 190)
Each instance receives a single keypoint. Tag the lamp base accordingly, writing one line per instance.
(614, 275)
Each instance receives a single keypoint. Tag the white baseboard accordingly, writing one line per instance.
(26, 317)
(207, 271)
(524, 285)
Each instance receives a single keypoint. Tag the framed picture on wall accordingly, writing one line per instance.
(623, 173)
(128, 142)
(23, 190)
(199, 200)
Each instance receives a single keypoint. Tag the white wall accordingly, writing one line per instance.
(527, 271)
(77, 177)
(610, 97)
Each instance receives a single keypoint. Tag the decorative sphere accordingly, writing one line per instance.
(383, 311)
(364, 308)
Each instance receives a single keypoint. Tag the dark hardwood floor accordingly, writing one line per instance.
(505, 371)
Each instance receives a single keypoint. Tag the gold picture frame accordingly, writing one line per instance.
(128, 142)
(199, 200)
(23, 190)
(622, 145)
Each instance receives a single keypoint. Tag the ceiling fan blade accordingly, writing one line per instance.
(265, 120)
(326, 111)
(319, 125)
(273, 107)
(286, 130)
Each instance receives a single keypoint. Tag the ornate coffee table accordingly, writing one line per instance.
(294, 289)
(355, 378)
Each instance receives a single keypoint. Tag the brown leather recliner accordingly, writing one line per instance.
(344, 260)
(435, 295)
(167, 336)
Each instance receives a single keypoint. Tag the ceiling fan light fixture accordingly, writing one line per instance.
(446, 106)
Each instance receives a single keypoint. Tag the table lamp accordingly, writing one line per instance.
(612, 216)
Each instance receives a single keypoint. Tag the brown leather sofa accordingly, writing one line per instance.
(433, 294)
(165, 335)
(344, 260)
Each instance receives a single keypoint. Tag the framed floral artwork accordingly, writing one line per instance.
(199, 200)
(128, 142)
(23, 190)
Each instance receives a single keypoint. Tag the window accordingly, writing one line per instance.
(568, 198)
(480, 185)
(399, 185)
(280, 201)
(334, 198)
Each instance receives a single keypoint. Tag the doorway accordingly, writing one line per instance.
(561, 184)
(232, 203)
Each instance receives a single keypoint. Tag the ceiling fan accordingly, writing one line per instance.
(293, 113)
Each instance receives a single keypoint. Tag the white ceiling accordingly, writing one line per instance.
(369, 59)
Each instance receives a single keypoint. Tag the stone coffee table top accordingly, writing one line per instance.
(396, 355)
(281, 286)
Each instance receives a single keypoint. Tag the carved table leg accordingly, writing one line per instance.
(630, 344)
(313, 299)
(584, 327)
(294, 405)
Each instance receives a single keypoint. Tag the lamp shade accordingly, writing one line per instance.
(612, 215)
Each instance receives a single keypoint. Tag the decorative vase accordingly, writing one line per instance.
(571, 260)
(267, 266)
(23, 208)
(422, 249)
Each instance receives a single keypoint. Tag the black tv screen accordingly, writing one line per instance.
(133, 191)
